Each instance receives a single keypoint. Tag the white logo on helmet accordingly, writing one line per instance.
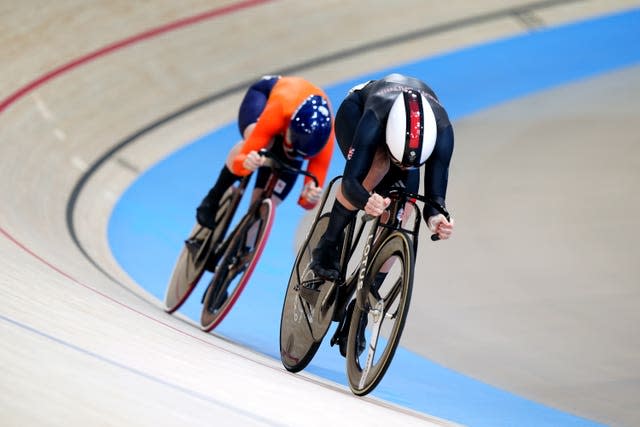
(323, 110)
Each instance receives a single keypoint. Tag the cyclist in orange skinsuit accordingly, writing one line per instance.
(291, 117)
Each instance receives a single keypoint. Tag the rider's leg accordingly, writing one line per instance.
(325, 261)
(206, 212)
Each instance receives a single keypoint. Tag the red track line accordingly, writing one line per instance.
(88, 58)
(102, 294)
(124, 43)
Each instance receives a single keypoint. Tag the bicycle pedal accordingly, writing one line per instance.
(335, 338)
(329, 298)
(218, 301)
(313, 284)
(340, 338)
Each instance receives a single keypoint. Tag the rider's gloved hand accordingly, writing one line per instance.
(439, 225)
(376, 204)
(253, 161)
(310, 196)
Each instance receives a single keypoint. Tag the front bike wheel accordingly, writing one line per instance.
(197, 252)
(236, 265)
(308, 306)
(380, 313)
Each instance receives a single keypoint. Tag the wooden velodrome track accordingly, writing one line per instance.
(549, 314)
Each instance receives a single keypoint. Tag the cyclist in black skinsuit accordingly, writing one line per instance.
(387, 129)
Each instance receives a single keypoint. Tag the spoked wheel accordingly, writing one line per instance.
(308, 306)
(236, 265)
(197, 252)
(380, 313)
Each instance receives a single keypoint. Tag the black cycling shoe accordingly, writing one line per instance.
(218, 301)
(206, 214)
(221, 299)
(326, 260)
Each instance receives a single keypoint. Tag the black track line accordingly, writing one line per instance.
(512, 12)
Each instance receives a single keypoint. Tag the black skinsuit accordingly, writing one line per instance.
(360, 128)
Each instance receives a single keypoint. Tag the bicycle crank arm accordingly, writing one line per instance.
(309, 291)
(329, 298)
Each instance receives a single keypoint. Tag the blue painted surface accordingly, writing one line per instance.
(155, 214)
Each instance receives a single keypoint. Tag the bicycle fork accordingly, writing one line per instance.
(361, 289)
(377, 313)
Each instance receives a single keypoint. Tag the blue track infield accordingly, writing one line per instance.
(156, 213)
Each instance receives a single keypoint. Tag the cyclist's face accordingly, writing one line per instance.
(288, 146)
(287, 138)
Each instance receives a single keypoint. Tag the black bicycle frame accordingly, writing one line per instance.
(276, 166)
(399, 201)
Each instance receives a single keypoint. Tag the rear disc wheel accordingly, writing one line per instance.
(236, 266)
(308, 306)
(197, 252)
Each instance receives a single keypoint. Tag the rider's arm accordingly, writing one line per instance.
(368, 135)
(318, 166)
(436, 173)
(271, 123)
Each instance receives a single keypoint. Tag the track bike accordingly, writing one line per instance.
(231, 256)
(371, 297)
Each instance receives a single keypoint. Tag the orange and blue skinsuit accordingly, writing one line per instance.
(270, 103)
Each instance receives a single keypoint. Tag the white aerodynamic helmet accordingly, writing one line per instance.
(411, 130)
